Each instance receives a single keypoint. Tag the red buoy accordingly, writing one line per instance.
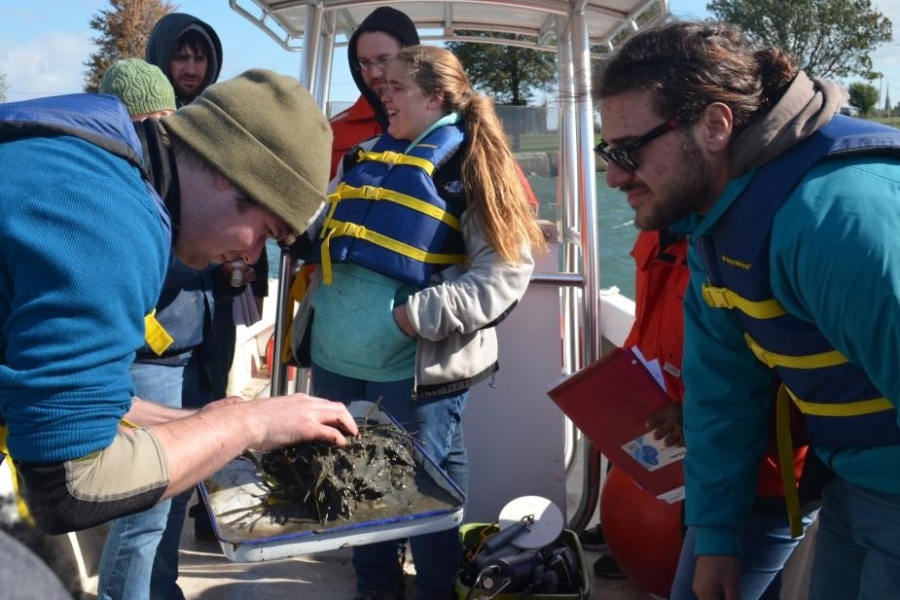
(643, 534)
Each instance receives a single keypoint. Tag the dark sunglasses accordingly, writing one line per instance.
(622, 155)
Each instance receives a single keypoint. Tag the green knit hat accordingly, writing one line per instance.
(266, 135)
(143, 88)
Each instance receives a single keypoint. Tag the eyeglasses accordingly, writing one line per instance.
(622, 155)
(379, 63)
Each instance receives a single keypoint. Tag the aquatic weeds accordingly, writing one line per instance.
(323, 482)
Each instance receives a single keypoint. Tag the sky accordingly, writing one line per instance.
(43, 45)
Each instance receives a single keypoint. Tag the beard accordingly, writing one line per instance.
(690, 191)
(187, 94)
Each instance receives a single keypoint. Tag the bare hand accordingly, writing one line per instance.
(667, 422)
(401, 318)
(716, 578)
(285, 420)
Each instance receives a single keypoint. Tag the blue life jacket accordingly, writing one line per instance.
(841, 406)
(101, 120)
(387, 214)
(96, 118)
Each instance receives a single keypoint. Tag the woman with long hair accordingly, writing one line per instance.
(425, 247)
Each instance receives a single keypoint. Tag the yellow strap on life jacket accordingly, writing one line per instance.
(325, 224)
(300, 283)
(155, 334)
(340, 228)
(397, 158)
(719, 297)
(846, 409)
(810, 361)
(786, 460)
(21, 507)
(299, 288)
(368, 192)
(786, 444)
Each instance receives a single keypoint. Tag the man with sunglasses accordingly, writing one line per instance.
(792, 214)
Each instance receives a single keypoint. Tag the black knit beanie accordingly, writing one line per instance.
(393, 22)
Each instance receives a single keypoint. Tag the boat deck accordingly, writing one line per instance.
(205, 574)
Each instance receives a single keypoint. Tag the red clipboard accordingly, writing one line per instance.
(610, 401)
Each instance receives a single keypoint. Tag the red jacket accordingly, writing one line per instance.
(357, 124)
(661, 278)
(350, 127)
(660, 281)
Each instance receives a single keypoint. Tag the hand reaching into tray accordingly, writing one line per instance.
(301, 418)
(198, 445)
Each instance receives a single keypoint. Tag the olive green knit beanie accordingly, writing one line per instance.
(266, 135)
(143, 88)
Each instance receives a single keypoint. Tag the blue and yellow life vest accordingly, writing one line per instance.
(387, 214)
(841, 406)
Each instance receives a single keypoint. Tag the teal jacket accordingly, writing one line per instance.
(835, 261)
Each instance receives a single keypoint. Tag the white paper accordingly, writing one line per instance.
(652, 367)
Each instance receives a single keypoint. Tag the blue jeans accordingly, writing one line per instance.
(195, 393)
(858, 545)
(766, 544)
(437, 423)
(127, 559)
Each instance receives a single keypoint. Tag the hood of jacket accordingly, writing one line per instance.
(805, 107)
(393, 22)
(165, 34)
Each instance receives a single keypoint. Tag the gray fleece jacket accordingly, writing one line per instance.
(455, 317)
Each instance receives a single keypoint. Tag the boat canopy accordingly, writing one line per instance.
(288, 21)
(315, 27)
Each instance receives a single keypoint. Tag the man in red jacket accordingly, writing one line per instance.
(372, 46)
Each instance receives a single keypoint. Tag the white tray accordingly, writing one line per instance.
(246, 534)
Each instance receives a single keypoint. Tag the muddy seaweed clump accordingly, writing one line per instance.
(316, 480)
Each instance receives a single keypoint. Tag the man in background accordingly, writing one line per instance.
(188, 51)
(371, 48)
